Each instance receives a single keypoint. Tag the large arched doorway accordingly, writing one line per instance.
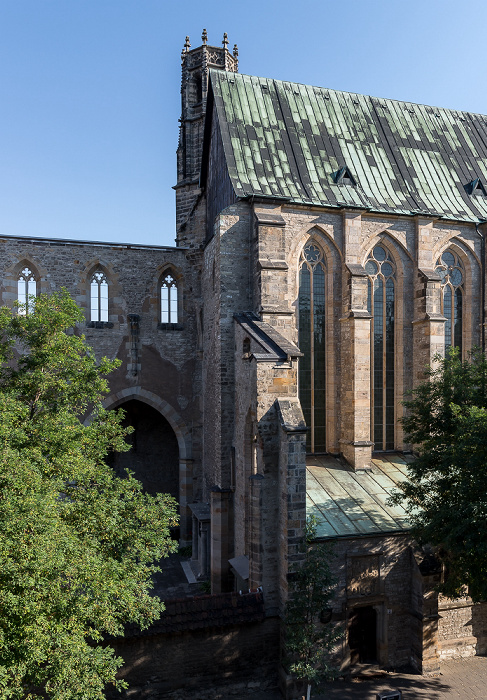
(154, 453)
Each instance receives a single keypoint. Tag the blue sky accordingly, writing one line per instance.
(89, 91)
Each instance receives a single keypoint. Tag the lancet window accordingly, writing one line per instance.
(381, 270)
(452, 274)
(312, 366)
(169, 299)
(26, 287)
(99, 296)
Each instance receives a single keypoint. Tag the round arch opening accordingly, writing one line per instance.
(154, 453)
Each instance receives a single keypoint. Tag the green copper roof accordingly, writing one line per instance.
(292, 141)
(347, 503)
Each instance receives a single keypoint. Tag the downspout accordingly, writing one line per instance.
(482, 268)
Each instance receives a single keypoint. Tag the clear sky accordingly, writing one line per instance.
(89, 91)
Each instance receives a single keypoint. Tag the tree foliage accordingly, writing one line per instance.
(78, 545)
(308, 640)
(446, 493)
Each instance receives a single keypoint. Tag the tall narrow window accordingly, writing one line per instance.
(26, 287)
(99, 296)
(312, 367)
(169, 299)
(381, 270)
(452, 276)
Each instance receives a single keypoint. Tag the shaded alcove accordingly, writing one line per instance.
(154, 453)
(362, 635)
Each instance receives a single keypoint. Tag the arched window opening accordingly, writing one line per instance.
(382, 272)
(26, 289)
(312, 366)
(169, 299)
(450, 268)
(99, 296)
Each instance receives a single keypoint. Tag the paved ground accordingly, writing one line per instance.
(465, 678)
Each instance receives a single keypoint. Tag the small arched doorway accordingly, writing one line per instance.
(154, 453)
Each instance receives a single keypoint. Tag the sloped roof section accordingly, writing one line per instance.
(350, 504)
(289, 141)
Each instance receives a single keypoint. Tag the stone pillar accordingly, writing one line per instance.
(355, 443)
(221, 539)
(428, 323)
(185, 497)
(256, 546)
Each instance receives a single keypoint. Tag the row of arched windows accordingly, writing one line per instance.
(99, 305)
(381, 270)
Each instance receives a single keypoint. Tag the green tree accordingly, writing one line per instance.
(309, 641)
(446, 492)
(78, 544)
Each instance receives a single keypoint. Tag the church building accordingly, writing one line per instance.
(328, 246)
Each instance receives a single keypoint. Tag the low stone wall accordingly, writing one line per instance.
(204, 642)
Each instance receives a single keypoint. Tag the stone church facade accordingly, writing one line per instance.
(328, 245)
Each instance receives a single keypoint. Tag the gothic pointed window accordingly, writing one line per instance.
(452, 275)
(99, 296)
(381, 270)
(312, 366)
(169, 299)
(26, 289)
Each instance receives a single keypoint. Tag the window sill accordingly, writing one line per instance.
(170, 326)
(99, 324)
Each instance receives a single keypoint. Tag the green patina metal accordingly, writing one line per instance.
(289, 141)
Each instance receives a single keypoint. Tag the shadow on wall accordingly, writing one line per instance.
(154, 453)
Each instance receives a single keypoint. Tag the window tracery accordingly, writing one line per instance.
(381, 270)
(311, 330)
(26, 289)
(99, 296)
(452, 273)
(169, 299)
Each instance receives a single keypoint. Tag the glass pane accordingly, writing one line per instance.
(371, 267)
(456, 276)
(319, 358)
(387, 269)
(458, 320)
(379, 253)
(21, 296)
(448, 258)
(94, 292)
(174, 304)
(103, 308)
(389, 378)
(304, 334)
(447, 312)
(164, 305)
(378, 381)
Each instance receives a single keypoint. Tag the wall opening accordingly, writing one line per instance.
(362, 635)
(154, 456)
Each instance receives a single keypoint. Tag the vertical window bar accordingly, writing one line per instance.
(448, 312)
(378, 362)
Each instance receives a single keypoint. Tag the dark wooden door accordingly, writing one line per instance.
(362, 635)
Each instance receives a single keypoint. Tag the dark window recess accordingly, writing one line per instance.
(99, 324)
(344, 177)
(476, 187)
(170, 326)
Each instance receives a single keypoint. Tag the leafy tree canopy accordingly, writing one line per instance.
(446, 493)
(309, 641)
(78, 544)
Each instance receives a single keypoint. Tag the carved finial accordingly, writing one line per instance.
(235, 51)
(187, 45)
(204, 37)
(225, 40)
